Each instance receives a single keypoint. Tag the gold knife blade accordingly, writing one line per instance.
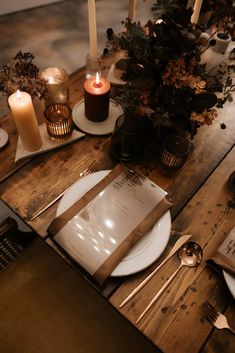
(176, 246)
(49, 205)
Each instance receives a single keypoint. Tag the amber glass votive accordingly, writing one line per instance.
(174, 153)
(59, 121)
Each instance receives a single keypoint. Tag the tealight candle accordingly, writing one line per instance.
(96, 94)
(26, 122)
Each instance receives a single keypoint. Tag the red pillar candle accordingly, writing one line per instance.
(96, 94)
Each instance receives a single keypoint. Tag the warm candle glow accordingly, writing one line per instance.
(51, 80)
(18, 94)
(97, 78)
(25, 119)
(96, 94)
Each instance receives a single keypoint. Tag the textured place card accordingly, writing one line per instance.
(101, 227)
(47, 143)
(225, 255)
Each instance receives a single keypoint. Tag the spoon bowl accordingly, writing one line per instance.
(190, 254)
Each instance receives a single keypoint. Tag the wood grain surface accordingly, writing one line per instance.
(200, 206)
(175, 323)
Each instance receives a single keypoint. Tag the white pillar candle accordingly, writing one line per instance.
(26, 122)
(132, 10)
(92, 28)
(196, 11)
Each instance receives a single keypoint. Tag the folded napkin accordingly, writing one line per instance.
(100, 228)
(224, 256)
(47, 143)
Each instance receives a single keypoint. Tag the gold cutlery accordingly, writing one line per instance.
(216, 318)
(176, 247)
(91, 169)
(190, 255)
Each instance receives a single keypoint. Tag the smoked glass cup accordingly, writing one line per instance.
(175, 149)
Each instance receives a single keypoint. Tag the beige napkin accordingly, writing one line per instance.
(124, 182)
(47, 143)
(225, 254)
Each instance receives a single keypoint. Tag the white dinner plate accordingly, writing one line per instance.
(114, 76)
(3, 138)
(96, 128)
(146, 251)
(230, 280)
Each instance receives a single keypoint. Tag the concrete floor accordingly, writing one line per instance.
(57, 34)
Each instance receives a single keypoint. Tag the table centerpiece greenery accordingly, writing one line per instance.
(163, 76)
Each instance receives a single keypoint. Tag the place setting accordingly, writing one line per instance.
(141, 205)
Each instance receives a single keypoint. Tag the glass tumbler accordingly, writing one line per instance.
(174, 153)
(59, 121)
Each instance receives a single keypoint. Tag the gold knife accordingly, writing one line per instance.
(177, 245)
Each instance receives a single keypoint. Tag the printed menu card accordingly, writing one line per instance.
(225, 254)
(100, 228)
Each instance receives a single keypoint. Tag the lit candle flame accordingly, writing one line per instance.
(97, 78)
(18, 94)
(51, 80)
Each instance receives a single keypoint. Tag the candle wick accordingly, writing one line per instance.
(98, 85)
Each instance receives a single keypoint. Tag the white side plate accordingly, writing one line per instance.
(230, 280)
(96, 128)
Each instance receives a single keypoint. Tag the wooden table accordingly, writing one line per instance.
(201, 207)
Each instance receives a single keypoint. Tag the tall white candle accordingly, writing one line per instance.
(92, 28)
(26, 122)
(132, 10)
(196, 11)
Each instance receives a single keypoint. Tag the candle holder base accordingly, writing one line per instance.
(93, 65)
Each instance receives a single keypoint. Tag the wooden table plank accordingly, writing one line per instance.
(57, 170)
(221, 340)
(208, 217)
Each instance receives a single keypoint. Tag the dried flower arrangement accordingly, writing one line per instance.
(221, 15)
(162, 70)
(22, 74)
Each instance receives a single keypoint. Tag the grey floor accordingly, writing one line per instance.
(57, 34)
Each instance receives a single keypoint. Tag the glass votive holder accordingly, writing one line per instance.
(57, 85)
(59, 121)
(125, 144)
(93, 66)
(175, 149)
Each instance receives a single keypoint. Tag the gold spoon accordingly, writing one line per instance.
(190, 255)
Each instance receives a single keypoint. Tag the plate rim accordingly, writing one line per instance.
(5, 138)
(118, 271)
(89, 130)
(228, 279)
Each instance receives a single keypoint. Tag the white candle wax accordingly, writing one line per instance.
(196, 11)
(92, 28)
(132, 10)
(26, 122)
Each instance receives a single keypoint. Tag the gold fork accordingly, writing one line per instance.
(91, 169)
(216, 318)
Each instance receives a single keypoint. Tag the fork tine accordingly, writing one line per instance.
(210, 312)
(215, 318)
(90, 169)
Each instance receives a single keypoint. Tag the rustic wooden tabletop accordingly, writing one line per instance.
(201, 207)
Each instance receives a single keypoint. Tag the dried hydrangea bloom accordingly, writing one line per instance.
(204, 118)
